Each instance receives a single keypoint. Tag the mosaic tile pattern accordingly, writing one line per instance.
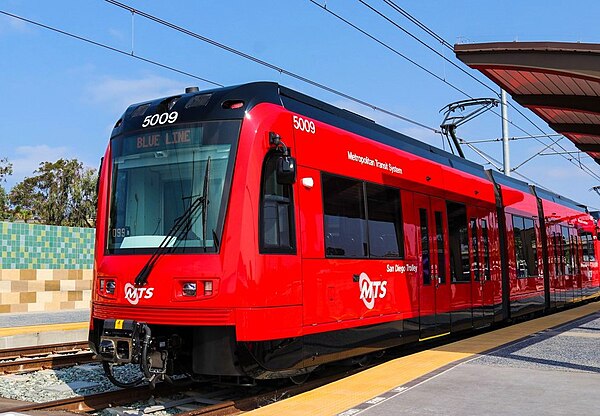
(36, 246)
(27, 290)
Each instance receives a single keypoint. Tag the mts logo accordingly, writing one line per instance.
(134, 294)
(371, 290)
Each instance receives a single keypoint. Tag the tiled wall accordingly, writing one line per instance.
(28, 290)
(44, 267)
(35, 246)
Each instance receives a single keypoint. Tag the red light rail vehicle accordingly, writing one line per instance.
(255, 232)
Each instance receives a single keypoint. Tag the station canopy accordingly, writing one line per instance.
(560, 82)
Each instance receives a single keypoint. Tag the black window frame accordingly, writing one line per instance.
(271, 157)
(485, 239)
(367, 237)
(587, 246)
(527, 230)
(425, 246)
(473, 227)
(460, 264)
(441, 246)
(568, 251)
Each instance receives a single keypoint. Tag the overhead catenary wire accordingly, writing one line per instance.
(156, 63)
(454, 64)
(111, 48)
(295, 75)
(385, 45)
(266, 64)
(447, 44)
(420, 24)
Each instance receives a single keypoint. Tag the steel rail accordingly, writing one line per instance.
(34, 358)
(97, 401)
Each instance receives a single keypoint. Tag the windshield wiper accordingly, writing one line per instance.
(181, 226)
(205, 201)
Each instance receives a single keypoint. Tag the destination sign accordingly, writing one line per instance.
(158, 141)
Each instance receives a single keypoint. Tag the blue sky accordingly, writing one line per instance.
(61, 96)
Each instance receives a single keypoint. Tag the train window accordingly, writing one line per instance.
(385, 221)
(171, 187)
(525, 247)
(587, 245)
(460, 269)
(425, 260)
(530, 245)
(558, 269)
(567, 251)
(575, 245)
(277, 229)
(362, 219)
(345, 217)
(486, 250)
(441, 249)
(475, 245)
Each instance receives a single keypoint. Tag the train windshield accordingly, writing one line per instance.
(170, 187)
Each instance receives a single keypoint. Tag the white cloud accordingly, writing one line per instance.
(120, 93)
(12, 24)
(27, 159)
(117, 34)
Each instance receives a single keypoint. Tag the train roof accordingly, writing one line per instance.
(255, 93)
(344, 119)
(559, 199)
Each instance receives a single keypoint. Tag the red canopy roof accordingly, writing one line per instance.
(560, 82)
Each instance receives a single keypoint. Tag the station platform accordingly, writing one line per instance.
(546, 366)
(43, 328)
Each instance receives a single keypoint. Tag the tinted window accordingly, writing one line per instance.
(277, 233)
(556, 243)
(475, 245)
(485, 241)
(362, 219)
(345, 217)
(384, 225)
(587, 244)
(567, 252)
(525, 246)
(575, 244)
(459, 242)
(425, 260)
(441, 249)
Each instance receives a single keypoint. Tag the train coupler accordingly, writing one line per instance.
(120, 342)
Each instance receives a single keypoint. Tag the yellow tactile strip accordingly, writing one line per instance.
(344, 394)
(21, 330)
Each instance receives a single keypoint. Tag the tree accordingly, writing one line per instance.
(5, 170)
(59, 193)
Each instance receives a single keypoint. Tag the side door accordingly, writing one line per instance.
(434, 289)
(482, 287)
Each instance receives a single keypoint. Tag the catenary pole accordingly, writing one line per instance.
(505, 149)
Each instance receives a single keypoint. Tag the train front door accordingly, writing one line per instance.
(434, 288)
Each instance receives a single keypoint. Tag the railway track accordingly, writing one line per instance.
(94, 402)
(208, 404)
(23, 359)
(197, 399)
